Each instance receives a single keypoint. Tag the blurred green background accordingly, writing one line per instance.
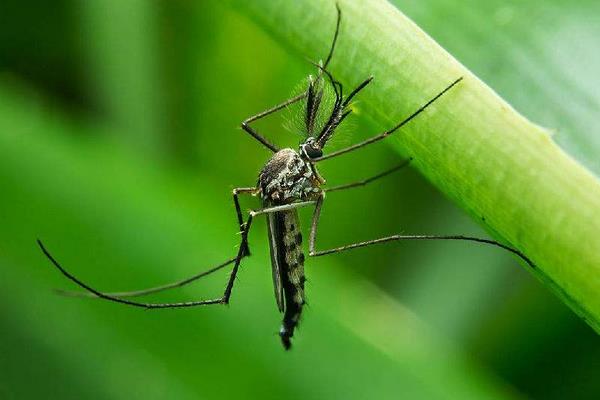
(119, 147)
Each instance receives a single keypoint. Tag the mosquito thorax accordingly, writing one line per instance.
(289, 177)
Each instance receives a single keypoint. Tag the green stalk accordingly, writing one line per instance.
(491, 161)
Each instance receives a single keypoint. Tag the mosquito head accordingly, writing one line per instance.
(340, 109)
(310, 149)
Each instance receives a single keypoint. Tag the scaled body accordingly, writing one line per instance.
(286, 178)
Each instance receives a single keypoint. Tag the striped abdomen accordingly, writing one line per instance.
(289, 269)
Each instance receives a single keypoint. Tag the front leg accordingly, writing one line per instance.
(246, 123)
(387, 133)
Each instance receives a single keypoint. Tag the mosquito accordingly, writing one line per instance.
(289, 181)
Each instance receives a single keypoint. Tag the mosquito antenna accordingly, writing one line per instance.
(335, 35)
(335, 116)
(334, 120)
(313, 102)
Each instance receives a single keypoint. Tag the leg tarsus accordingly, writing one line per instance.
(144, 292)
(123, 301)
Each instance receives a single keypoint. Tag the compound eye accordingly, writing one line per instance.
(312, 152)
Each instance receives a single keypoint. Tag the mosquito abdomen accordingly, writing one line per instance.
(292, 275)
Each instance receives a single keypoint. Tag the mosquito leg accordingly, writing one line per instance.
(222, 300)
(368, 180)
(156, 289)
(246, 124)
(387, 133)
(314, 226)
(119, 300)
(284, 207)
(247, 225)
(238, 210)
(315, 223)
(180, 283)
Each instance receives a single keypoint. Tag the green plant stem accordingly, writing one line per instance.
(491, 161)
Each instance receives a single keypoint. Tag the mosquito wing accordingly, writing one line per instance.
(276, 247)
